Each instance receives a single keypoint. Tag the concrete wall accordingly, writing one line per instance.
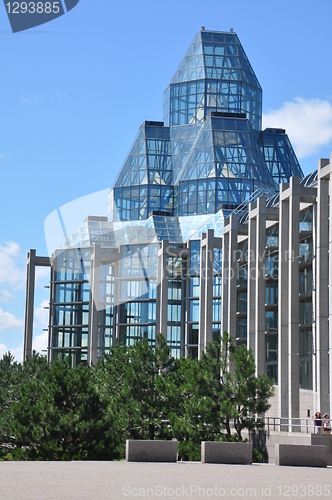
(300, 455)
(306, 403)
(151, 451)
(213, 452)
(325, 440)
(267, 442)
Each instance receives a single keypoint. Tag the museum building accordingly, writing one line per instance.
(211, 226)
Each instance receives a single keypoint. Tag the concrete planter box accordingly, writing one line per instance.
(301, 455)
(138, 450)
(213, 452)
(323, 440)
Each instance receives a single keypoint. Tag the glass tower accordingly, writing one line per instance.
(210, 150)
(143, 269)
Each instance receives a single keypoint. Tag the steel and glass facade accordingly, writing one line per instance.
(157, 262)
(277, 274)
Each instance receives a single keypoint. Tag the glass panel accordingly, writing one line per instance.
(306, 281)
(241, 332)
(242, 302)
(272, 264)
(195, 257)
(271, 349)
(271, 320)
(194, 310)
(192, 334)
(271, 293)
(194, 287)
(305, 313)
(306, 374)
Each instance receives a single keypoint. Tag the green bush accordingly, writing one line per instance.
(259, 456)
(55, 412)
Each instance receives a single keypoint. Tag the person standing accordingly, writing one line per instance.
(326, 423)
(317, 423)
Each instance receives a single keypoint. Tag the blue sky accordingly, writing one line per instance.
(75, 91)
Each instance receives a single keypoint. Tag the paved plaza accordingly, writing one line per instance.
(120, 480)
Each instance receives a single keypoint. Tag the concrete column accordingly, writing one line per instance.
(251, 291)
(225, 282)
(159, 279)
(29, 304)
(94, 306)
(322, 296)
(314, 310)
(330, 296)
(293, 301)
(51, 315)
(117, 298)
(283, 309)
(162, 290)
(186, 302)
(233, 275)
(202, 296)
(208, 335)
(260, 325)
(185, 287)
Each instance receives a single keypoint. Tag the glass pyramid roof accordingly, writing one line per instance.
(214, 75)
(145, 183)
(211, 151)
(279, 155)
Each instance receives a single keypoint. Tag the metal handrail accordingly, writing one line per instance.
(306, 425)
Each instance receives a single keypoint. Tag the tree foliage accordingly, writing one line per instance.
(54, 412)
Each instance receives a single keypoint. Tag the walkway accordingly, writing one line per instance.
(119, 480)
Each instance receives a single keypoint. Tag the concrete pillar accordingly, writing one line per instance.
(117, 298)
(202, 298)
(225, 282)
(209, 254)
(29, 304)
(260, 325)
(293, 301)
(233, 275)
(185, 291)
(251, 293)
(162, 289)
(314, 310)
(51, 315)
(186, 302)
(322, 296)
(94, 306)
(283, 309)
(330, 296)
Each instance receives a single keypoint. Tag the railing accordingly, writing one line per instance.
(305, 425)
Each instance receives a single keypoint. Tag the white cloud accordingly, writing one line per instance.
(10, 322)
(6, 296)
(41, 314)
(308, 123)
(17, 352)
(3, 350)
(30, 100)
(39, 343)
(26, 101)
(59, 95)
(42, 276)
(11, 266)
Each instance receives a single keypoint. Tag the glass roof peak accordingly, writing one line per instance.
(210, 149)
(214, 75)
